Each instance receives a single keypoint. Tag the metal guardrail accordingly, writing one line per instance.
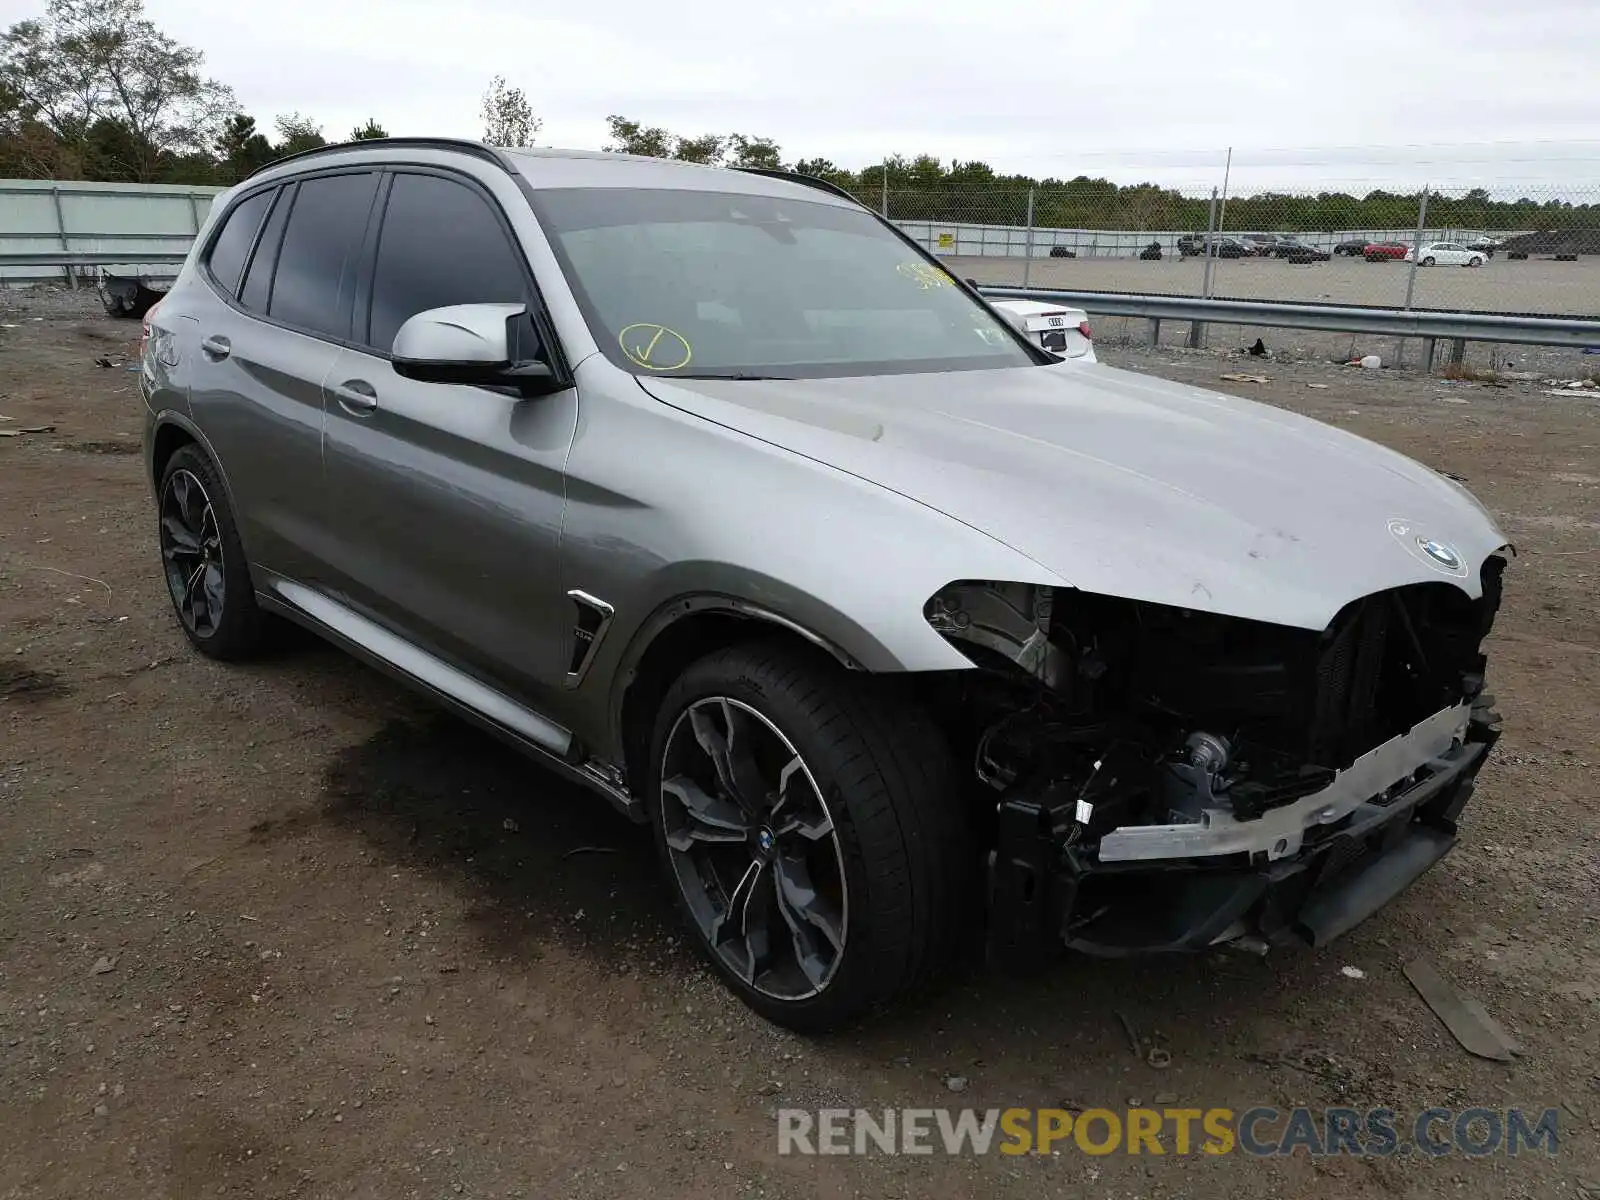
(1419, 323)
(89, 258)
(12, 235)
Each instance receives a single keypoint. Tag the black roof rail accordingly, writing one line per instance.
(804, 180)
(476, 149)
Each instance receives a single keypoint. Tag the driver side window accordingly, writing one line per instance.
(441, 243)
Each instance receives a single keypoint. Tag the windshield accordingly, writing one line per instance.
(693, 284)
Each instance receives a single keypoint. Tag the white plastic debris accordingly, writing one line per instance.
(1352, 972)
(1372, 362)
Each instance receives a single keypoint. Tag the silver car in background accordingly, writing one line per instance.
(714, 493)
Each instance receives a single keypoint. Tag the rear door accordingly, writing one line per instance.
(445, 501)
(265, 349)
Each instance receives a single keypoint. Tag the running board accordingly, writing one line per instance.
(472, 698)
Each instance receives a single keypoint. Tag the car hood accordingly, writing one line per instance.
(1127, 485)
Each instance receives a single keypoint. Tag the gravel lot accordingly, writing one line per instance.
(284, 930)
(1535, 285)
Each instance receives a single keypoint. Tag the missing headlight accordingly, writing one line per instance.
(1011, 619)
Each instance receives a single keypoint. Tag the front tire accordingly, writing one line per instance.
(203, 560)
(811, 833)
(1428, 262)
(1474, 262)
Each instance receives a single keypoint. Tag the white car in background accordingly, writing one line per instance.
(1062, 331)
(1446, 254)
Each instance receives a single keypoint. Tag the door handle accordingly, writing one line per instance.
(217, 347)
(356, 396)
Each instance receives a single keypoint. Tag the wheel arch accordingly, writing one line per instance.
(168, 437)
(171, 431)
(678, 633)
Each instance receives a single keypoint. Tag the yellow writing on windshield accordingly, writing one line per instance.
(655, 347)
(925, 275)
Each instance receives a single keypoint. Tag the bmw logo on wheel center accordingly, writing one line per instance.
(1440, 555)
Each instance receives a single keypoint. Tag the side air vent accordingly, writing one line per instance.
(592, 617)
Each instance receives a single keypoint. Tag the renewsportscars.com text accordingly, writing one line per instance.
(1261, 1131)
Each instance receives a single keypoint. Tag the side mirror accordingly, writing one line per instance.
(480, 344)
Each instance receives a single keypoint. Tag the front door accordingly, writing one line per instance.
(445, 501)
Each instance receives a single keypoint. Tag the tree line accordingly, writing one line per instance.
(94, 90)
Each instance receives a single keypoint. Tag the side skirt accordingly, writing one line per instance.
(476, 702)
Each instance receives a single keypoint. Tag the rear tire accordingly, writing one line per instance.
(835, 874)
(203, 560)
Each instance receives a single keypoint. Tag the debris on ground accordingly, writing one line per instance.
(1159, 1057)
(1352, 972)
(22, 429)
(1240, 377)
(1321, 387)
(956, 1083)
(1133, 1036)
(1371, 362)
(1466, 1019)
(103, 966)
(589, 850)
(1259, 350)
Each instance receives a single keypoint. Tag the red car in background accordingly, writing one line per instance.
(1379, 251)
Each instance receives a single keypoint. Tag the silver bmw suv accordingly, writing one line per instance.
(713, 492)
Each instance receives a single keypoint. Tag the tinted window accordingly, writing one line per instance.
(258, 277)
(440, 244)
(238, 234)
(312, 285)
(727, 284)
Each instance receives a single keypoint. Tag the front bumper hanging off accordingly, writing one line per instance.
(1306, 873)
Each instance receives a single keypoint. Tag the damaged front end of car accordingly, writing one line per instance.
(1164, 779)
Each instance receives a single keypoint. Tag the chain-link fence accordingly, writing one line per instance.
(1471, 250)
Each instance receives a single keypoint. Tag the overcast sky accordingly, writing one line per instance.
(1385, 92)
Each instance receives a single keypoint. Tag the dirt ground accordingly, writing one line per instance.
(1530, 286)
(283, 930)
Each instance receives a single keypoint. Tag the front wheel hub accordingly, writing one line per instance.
(753, 849)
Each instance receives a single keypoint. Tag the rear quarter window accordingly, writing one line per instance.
(231, 247)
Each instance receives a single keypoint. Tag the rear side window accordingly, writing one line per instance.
(441, 244)
(233, 241)
(311, 288)
(257, 288)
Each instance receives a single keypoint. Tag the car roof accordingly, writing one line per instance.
(557, 168)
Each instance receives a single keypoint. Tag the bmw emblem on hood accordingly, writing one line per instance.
(1441, 553)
